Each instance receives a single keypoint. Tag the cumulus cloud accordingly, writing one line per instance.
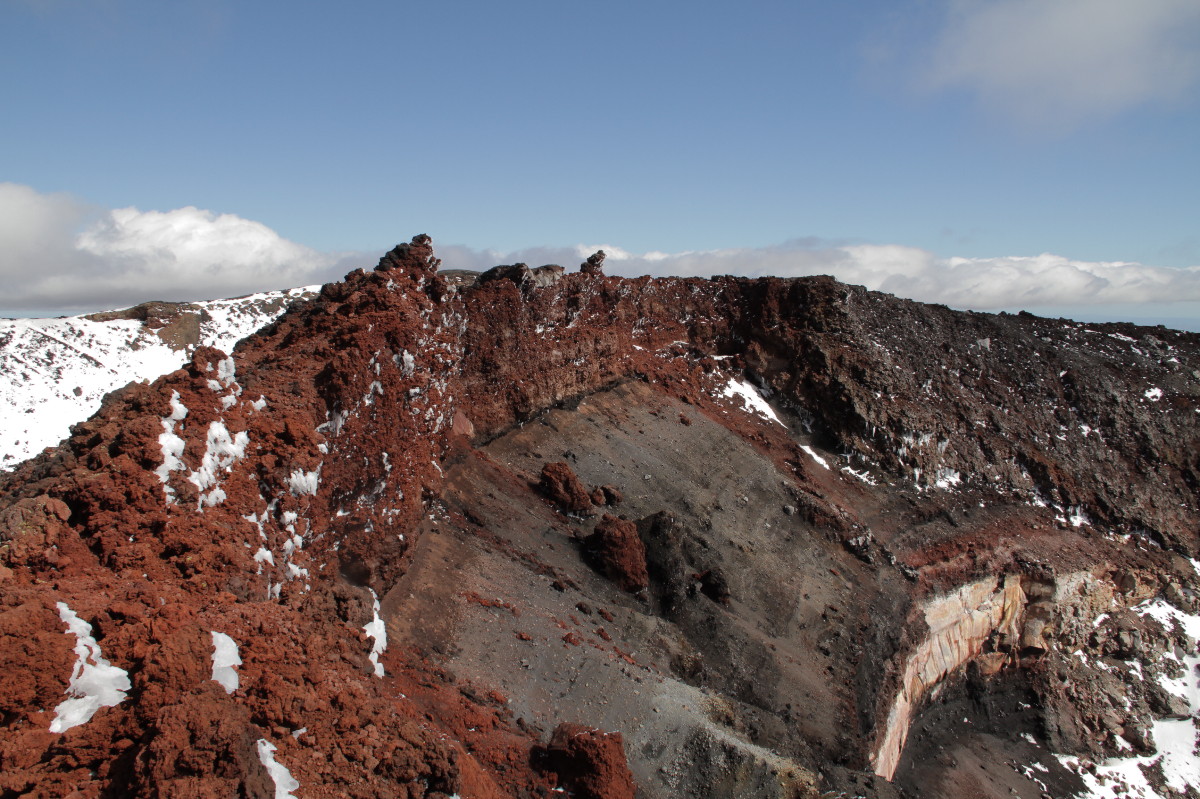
(1055, 64)
(58, 254)
(977, 283)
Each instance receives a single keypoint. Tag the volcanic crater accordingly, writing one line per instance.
(530, 531)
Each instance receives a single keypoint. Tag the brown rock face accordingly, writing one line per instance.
(589, 763)
(355, 498)
(618, 553)
(560, 485)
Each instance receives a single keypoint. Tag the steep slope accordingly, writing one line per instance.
(422, 539)
(55, 372)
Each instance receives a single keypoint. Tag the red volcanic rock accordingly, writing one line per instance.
(462, 425)
(606, 495)
(617, 552)
(418, 254)
(559, 483)
(589, 763)
(611, 495)
(33, 530)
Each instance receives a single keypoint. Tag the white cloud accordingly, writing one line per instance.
(35, 227)
(59, 255)
(1056, 64)
(911, 272)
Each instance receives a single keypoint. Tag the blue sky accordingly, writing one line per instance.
(945, 129)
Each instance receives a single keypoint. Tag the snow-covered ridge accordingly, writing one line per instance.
(55, 372)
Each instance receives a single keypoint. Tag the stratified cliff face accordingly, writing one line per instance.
(717, 537)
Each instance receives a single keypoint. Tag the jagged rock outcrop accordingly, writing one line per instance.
(560, 485)
(854, 511)
(589, 763)
(618, 553)
(960, 625)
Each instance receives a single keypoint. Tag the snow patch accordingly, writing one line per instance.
(377, 630)
(285, 783)
(947, 478)
(1154, 393)
(171, 446)
(864, 476)
(225, 656)
(809, 450)
(95, 683)
(304, 483)
(221, 451)
(226, 371)
(752, 398)
(179, 411)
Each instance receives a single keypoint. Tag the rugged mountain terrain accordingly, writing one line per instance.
(656, 537)
(54, 372)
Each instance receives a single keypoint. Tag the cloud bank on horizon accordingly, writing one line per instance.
(61, 255)
(58, 255)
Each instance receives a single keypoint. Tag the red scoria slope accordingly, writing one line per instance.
(365, 447)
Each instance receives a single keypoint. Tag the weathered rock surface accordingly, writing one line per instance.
(560, 485)
(589, 763)
(938, 522)
(618, 553)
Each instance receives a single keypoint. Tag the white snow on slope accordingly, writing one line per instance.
(225, 656)
(95, 683)
(304, 483)
(812, 454)
(1174, 739)
(221, 451)
(285, 783)
(172, 446)
(377, 630)
(55, 372)
(751, 398)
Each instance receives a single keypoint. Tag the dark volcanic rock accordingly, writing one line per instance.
(520, 274)
(594, 265)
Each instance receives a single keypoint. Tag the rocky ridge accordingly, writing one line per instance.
(57, 371)
(413, 505)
